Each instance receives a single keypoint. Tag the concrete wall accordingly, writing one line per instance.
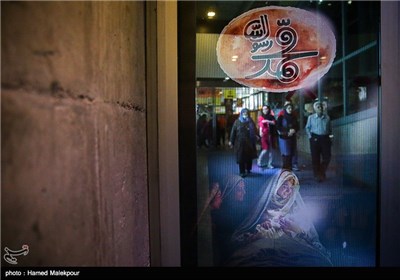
(73, 132)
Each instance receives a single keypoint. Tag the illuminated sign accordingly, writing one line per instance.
(230, 93)
(277, 48)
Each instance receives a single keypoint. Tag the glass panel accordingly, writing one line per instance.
(333, 91)
(270, 201)
(361, 27)
(363, 82)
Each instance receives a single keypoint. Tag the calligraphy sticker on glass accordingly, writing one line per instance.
(277, 48)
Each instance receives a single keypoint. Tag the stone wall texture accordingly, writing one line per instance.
(73, 133)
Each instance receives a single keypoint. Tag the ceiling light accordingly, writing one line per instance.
(210, 14)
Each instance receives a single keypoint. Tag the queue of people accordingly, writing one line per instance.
(244, 135)
(271, 133)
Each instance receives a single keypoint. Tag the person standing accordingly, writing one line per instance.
(266, 124)
(295, 158)
(229, 207)
(319, 132)
(243, 139)
(221, 125)
(287, 126)
(202, 131)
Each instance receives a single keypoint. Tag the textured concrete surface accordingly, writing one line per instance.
(73, 133)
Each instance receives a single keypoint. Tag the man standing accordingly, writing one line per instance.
(319, 132)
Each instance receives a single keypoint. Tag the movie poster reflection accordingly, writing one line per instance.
(273, 231)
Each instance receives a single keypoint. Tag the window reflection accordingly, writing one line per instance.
(349, 92)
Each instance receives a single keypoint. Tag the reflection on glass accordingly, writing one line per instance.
(258, 220)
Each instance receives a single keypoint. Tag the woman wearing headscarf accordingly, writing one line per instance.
(277, 232)
(266, 124)
(287, 126)
(243, 139)
(228, 209)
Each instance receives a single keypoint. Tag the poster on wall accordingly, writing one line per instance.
(294, 183)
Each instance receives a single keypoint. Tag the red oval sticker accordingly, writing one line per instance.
(277, 48)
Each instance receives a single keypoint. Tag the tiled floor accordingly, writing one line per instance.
(345, 215)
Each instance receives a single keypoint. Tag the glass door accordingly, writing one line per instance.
(308, 201)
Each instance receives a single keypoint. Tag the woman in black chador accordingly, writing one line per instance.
(243, 139)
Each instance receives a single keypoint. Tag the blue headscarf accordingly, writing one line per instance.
(251, 124)
(241, 115)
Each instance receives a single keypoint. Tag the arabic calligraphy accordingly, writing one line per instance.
(257, 31)
(10, 255)
(286, 70)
